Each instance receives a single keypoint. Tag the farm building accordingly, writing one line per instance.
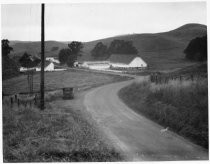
(117, 61)
(126, 61)
(97, 65)
(50, 66)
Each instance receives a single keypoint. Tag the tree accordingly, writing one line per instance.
(70, 61)
(100, 51)
(122, 47)
(70, 54)
(9, 66)
(75, 47)
(197, 49)
(63, 55)
(6, 49)
(28, 61)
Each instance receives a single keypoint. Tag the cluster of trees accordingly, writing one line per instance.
(69, 55)
(28, 61)
(6, 49)
(197, 49)
(122, 47)
(116, 47)
(100, 51)
(9, 66)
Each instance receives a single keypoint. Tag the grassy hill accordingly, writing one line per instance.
(34, 48)
(160, 50)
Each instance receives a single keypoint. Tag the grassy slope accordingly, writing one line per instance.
(160, 50)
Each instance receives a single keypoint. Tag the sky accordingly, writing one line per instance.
(92, 21)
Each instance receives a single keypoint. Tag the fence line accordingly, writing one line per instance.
(159, 78)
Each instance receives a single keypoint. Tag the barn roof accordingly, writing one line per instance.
(122, 58)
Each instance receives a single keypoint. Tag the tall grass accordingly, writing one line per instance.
(57, 134)
(180, 105)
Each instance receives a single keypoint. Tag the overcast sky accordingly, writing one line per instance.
(86, 22)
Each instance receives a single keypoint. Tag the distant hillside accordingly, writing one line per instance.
(34, 48)
(160, 50)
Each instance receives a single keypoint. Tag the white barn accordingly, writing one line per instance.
(126, 61)
(117, 61)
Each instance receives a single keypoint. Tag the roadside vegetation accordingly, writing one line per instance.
(180, 105)
(60, 133)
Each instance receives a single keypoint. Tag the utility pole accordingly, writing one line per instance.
(42, 59)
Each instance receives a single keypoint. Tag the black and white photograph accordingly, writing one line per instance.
(102, 81)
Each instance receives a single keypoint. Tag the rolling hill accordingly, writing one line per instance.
(34, 48)
(160, 50)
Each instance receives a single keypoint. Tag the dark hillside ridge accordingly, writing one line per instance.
(160, 50)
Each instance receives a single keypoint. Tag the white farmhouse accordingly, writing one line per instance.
(126, 61)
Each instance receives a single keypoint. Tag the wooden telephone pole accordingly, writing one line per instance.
(42, 59)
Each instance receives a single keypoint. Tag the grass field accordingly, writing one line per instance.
(58, 80)
(180, 105)
(64, 131)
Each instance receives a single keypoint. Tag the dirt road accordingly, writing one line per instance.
(137, 137)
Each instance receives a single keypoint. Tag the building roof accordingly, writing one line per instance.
(122, 58)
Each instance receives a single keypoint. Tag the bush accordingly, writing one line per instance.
(197, 49)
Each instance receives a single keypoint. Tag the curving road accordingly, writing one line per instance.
(135, 136)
